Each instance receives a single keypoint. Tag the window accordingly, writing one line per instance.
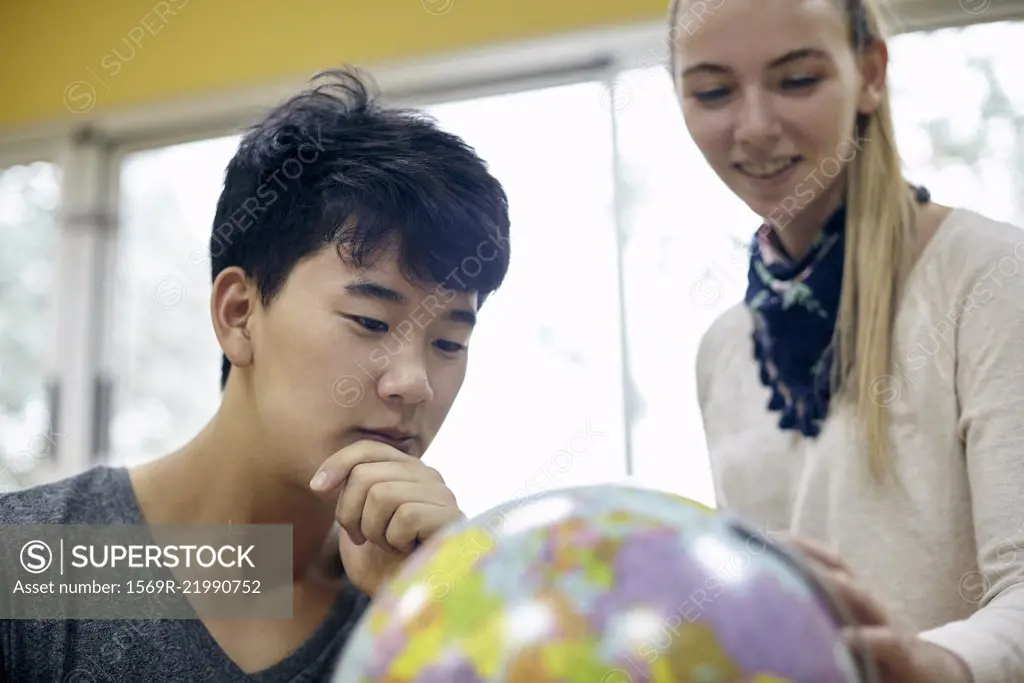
(684, 262)
(167, 380)
(29, 201)
(542, 403)
(959, 109)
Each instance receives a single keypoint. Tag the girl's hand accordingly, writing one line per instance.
(899, 656)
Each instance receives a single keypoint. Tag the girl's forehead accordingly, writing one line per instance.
(745, 30)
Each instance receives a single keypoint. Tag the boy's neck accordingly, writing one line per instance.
(225, 476)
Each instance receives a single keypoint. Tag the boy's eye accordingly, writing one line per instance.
(449, 346)
(370, 324)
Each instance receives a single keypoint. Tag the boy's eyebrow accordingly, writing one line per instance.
(462, 315)
(371, 290)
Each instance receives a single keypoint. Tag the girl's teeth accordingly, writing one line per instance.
(767, 169)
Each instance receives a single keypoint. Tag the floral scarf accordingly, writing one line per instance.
(795, 305)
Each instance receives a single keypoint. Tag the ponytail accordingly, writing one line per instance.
(879, 254)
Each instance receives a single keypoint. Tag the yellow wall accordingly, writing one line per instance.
(55, 53)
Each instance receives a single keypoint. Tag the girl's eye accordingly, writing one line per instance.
(711, 95)
(799, 82)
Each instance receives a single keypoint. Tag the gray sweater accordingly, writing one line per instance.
(150, 651)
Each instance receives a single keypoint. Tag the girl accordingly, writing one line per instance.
(868, 394)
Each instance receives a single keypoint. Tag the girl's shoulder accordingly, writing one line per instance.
(967, 244)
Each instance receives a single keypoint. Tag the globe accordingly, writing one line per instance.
(599, 584)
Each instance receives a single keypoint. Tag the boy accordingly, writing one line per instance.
(352, 247)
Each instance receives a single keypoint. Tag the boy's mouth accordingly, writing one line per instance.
(402, 440)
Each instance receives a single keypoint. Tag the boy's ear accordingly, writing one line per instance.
(232, 304)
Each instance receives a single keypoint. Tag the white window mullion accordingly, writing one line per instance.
(88, 215)
(616, 101)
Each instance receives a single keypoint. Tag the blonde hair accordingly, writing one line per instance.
(879, 254)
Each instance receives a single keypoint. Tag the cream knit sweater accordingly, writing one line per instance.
(944, 549)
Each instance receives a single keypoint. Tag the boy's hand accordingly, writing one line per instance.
(389, 503)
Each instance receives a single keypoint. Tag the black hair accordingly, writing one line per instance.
(334, 166)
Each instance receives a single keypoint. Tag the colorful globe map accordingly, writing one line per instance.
(598, 584)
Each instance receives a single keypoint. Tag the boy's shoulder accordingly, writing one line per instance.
(99, 495)
(128, 650)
